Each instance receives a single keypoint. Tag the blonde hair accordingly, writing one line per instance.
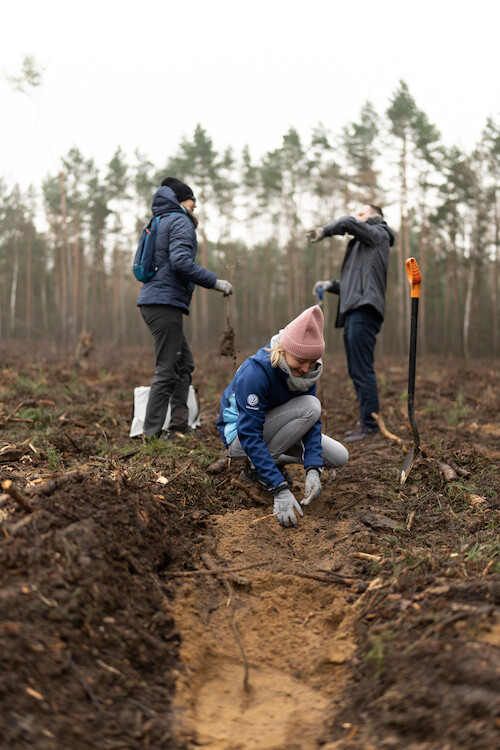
(276, 353)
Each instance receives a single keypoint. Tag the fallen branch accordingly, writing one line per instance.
(46, 488)
(367, 556)
(411, 517)
(218, 466)
(222, 571)
(10, 416)
(17, 495)
(181, 471)
(169, 505)
(149, 713)
(247, 491)
(330, 577)
(234, 577)
(10, 454)
(460, 470)
(383, 429)
(447, 471)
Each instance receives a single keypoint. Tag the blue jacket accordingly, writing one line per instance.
(175, 253)
(255, 389)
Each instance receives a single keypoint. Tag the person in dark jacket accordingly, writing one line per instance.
(270, 414)
(165, 298)
(361, 308)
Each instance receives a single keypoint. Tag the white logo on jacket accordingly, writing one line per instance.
(252, 399)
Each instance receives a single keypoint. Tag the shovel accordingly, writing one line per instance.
(414, 278)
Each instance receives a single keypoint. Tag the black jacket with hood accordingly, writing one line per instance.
(363, 277)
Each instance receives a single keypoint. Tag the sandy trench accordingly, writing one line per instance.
(294, 632)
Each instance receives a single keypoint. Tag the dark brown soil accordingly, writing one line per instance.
(110, 638)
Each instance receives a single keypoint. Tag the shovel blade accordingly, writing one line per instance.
(410, 459)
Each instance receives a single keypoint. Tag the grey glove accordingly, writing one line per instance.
(284, 505)
(312, 487)
(327, 284)
(315, 235)
(221, 285)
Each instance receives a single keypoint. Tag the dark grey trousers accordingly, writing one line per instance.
(174, 365)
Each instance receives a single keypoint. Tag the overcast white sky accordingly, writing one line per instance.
(143, 74)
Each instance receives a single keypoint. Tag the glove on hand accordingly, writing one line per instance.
(312, 487)
(221, 285)
(327, 284)
(315, 235)
(284, 505)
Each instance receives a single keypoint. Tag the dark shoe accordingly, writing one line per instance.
(349, 432)
(287, 475)
(251, 475)
(360, 433)
(175, 435)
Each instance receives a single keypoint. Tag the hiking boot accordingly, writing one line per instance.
(360, 433)
(252, 476)
(175, 435)
(349, 432)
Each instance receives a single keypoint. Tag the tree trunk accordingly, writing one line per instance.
(64, 251)
(467, 308)
(496, 271)
(29, 281)
(402, 254)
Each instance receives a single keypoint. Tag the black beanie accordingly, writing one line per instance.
(182, 191)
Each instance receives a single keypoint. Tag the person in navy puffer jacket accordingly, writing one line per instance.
(165, 298)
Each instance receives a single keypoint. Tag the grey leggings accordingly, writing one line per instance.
(284, 428)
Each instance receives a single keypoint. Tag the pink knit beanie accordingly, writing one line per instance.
(303, 337)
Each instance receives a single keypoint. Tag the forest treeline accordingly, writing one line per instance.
(66, 246)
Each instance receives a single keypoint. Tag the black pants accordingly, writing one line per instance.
(174, 365)
(360, 330)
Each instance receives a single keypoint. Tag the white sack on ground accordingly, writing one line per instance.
(141, 396)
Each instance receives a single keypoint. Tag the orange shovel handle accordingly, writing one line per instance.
(414, 276)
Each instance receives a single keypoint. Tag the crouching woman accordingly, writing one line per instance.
(270, 414)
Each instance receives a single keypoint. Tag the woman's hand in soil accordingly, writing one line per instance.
(284, 505)
(312, 487)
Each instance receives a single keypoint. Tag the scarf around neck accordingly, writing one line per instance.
(300, 383)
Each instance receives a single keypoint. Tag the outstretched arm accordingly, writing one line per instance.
(367, 233)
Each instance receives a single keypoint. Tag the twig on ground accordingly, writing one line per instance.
(330, 577)
(262, 518)
(181, 471)
(234, 577)
(411, 517)
(17, 495)
(222, 571)
(246, 490)
(83, 682)
(367, 556)
(10, 416)
(383, 429)
(46, 488)
(448, 473)
(217, 467)
(150, 713)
